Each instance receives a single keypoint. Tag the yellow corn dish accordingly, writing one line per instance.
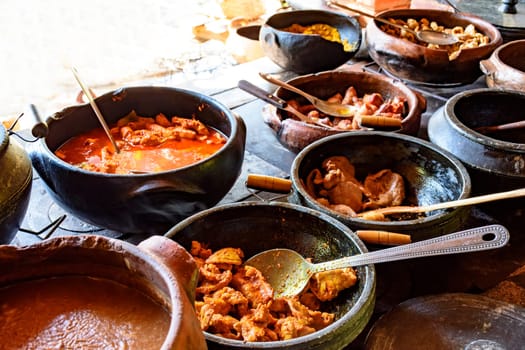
(326, 32)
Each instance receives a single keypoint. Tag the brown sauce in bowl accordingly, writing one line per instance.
(79, 312)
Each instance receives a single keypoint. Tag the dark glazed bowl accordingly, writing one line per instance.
(431, 175)
(505, 68)
(296, 135)
(419, 64)
(303, 53)
(16, 176)
(496, 161)
(258, 226)
(141, 203)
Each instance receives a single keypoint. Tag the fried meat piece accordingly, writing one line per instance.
(252, 285)
(211, 278)
(327, 285)
(257, 325)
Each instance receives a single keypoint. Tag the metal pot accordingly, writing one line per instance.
(140, 203)
(16, 177)
(302, 53)
(159, 268)
(496, 162)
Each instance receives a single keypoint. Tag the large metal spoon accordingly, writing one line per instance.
(288, 272)
(331, 108)
(428, 36)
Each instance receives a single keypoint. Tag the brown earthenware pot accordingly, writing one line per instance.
(505, 69)
(159, 268)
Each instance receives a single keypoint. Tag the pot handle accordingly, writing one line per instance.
(163, 185)
(487, 67)
(268, 183)
(176, 259)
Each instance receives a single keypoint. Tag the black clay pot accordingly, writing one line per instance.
(15, 186)
(301, 53)
(257, 226)
(431, 175)
(495, 161)
(141, 203)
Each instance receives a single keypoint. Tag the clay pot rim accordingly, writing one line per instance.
(473, 135)
(507, 46)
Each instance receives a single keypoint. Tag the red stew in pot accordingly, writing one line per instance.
(146, 145)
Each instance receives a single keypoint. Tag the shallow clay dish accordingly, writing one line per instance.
(418, 64)
(296, 135)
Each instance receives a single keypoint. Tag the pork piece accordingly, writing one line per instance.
(255, 325)
(251, 283)
(326, 285)
(338, 168)
(345, 193)
(385, 188)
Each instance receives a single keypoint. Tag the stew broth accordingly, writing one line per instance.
(146, 145)
(78, 312)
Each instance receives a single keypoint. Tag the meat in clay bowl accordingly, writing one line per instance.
(90, 291)
(402, 56)
(347, 174)
(257, 226)
(149, 200)
(373, 95)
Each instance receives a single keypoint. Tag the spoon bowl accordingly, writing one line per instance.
(288, 272)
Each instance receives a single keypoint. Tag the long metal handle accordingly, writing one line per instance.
(474, 239)
(260, 93)
(287, 86)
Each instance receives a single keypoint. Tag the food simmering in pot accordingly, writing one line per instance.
(146, 145)
(78, 312)
(336, 187)
(326, 32)
(235, 301)
(469, 36)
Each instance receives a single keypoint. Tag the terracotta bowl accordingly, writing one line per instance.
(296, 135)
(306, 53)
(159, 268)
(258, 226)
(418, 64)
(431, 175)
(496, 161)
(505, 68)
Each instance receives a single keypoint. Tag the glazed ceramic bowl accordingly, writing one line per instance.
(505, 69)
(258, 226)
(431, 175)
(496, 160)
(296, 135)
(306, 53)
(418, 64)
(147, 203)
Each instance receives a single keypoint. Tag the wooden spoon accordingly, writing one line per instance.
(288, 272)
(379, 214)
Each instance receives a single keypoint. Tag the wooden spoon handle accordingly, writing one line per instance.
(451, 204)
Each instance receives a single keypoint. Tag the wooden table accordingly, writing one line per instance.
(397, 281)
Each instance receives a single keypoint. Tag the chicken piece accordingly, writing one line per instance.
(337, 98)
(226, 326)
(374, 99)
(190, 124)
(254, 326)
(198, 250)
(385, 189)
(162, 120)
(228, 255)
(346, 193)
(291, 327)
(338, 169)
(350, 96)
(309, 300)
(326, 285)
(211, 279)
(251, 283)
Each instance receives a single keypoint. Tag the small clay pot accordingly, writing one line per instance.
(16, 177)
(505, 68)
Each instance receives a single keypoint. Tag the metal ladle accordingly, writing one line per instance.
(428, 36)
(95, 109)
(288, 272)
